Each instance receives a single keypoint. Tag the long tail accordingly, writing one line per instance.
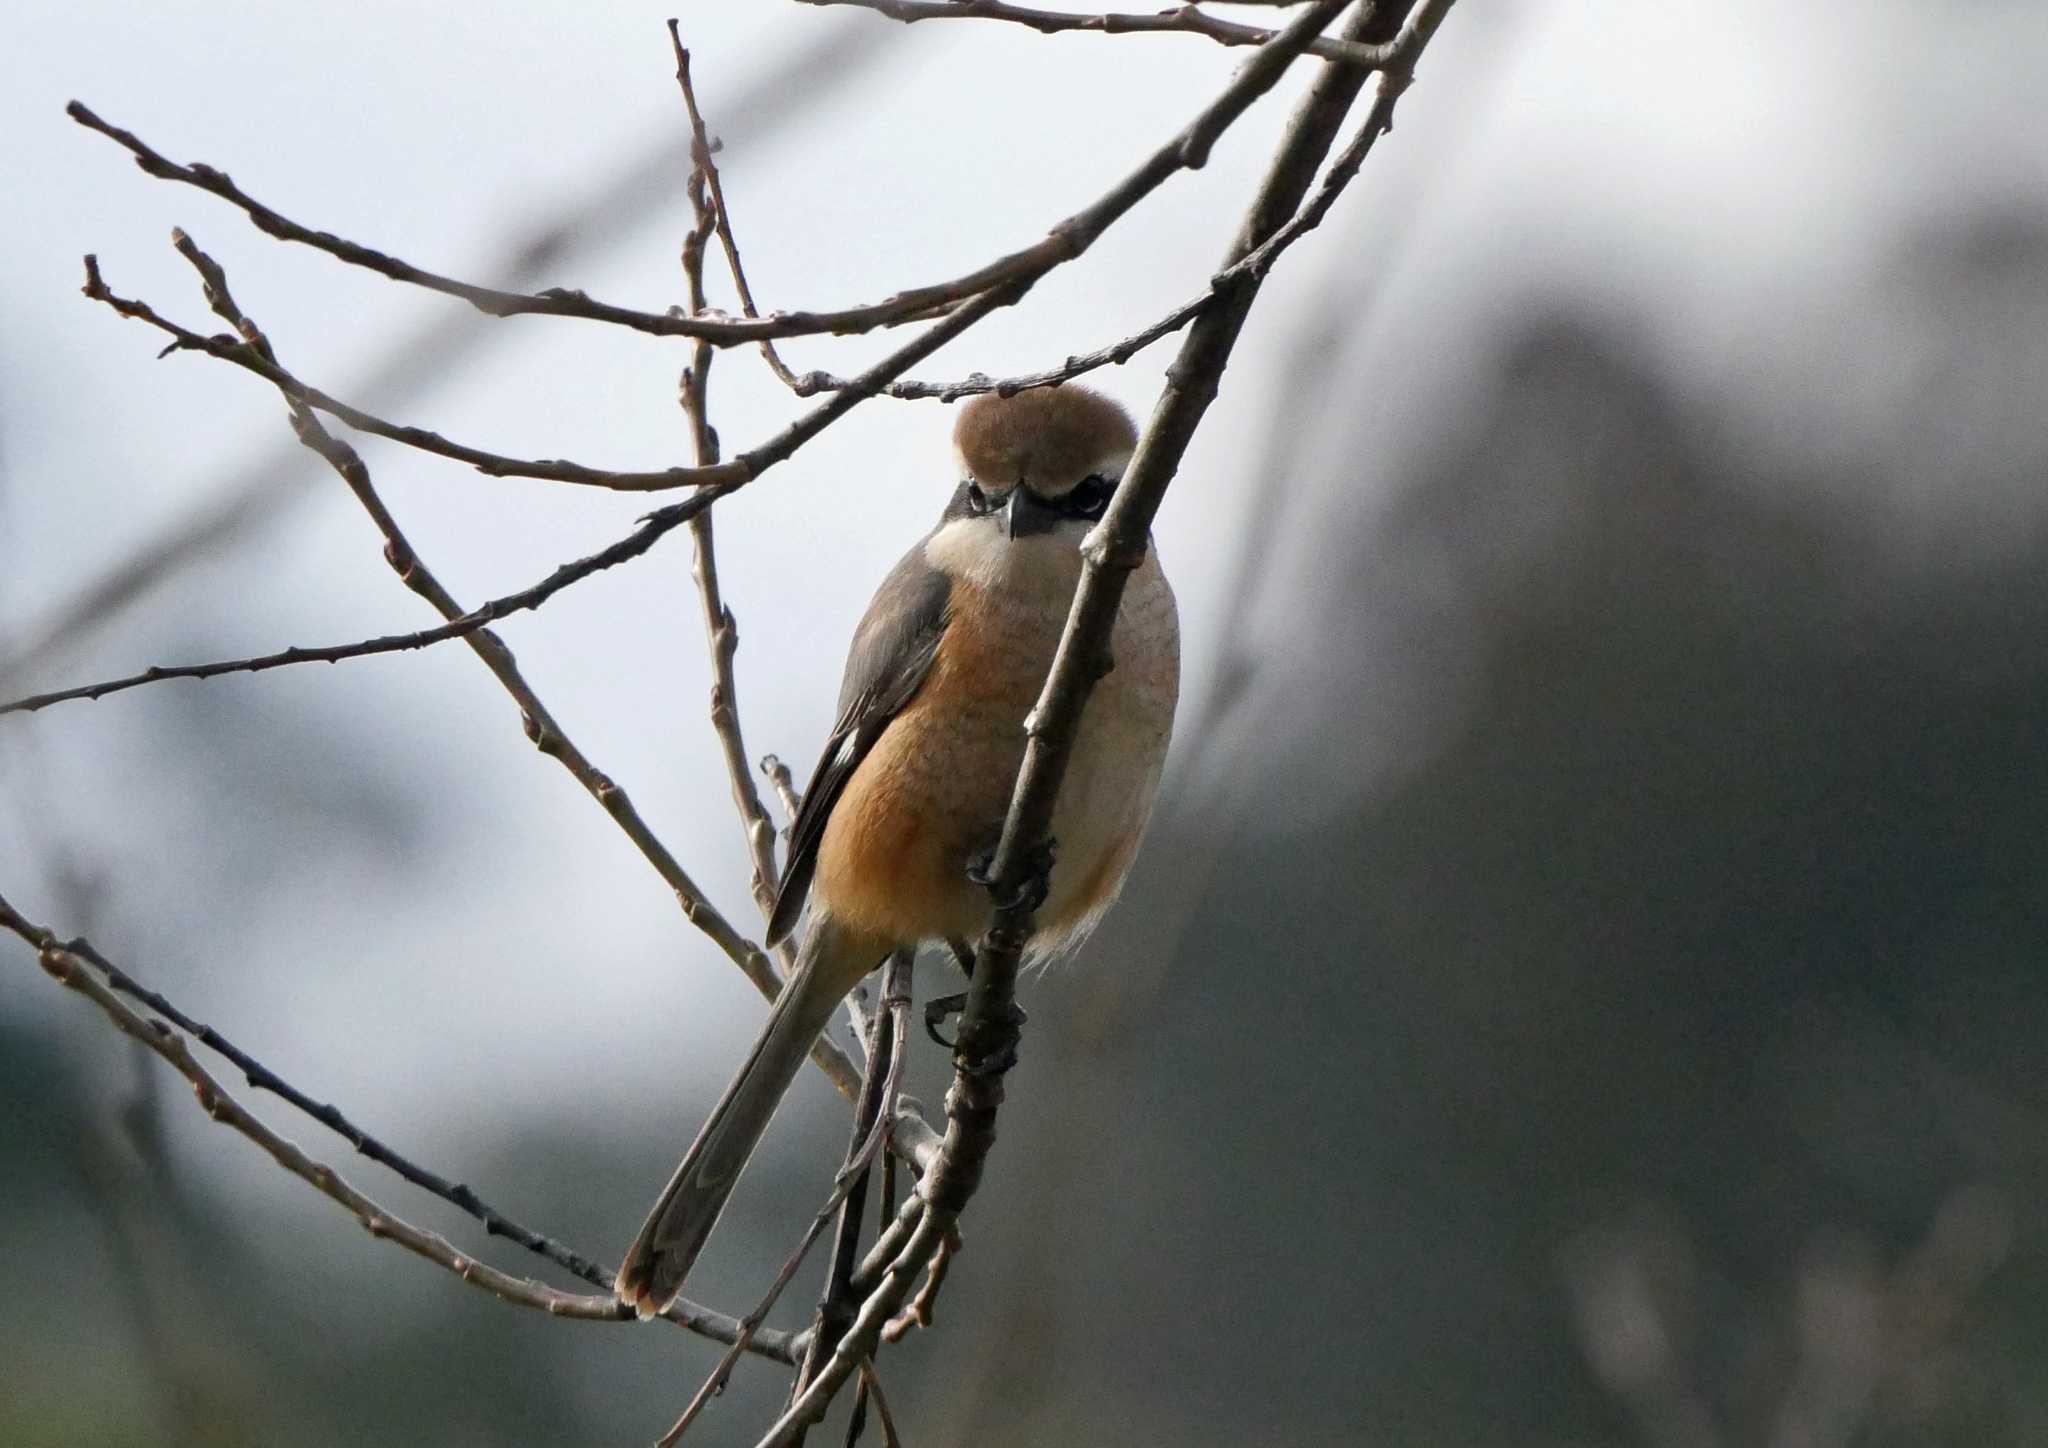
(675, 1231)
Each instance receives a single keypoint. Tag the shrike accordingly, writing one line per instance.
(910, 794)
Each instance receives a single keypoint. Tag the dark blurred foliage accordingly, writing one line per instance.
(1651, 1057)
(1659, 1060)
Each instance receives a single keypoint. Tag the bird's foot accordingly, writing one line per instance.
(989, 1048)
(939, 1008)
(1032, 887)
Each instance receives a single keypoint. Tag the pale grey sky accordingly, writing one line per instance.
(1729, 171)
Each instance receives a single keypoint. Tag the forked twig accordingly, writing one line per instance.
(701, 149)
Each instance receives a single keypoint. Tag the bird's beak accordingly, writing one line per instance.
(1023, 514)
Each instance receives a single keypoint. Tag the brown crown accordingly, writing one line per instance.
(1047, 439)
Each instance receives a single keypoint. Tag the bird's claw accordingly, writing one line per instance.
(1031, 889)
(938, 1008)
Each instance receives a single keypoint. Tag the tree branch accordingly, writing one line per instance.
(701, 149)
(1258, 262)
(887, 1045)
(303, 394)
(78, 966)
(1180, 20)
(837, 1303)
(1187, 150)
(721, 629)
(1117, 353)
(988, 1027)
(784, 784)
(650, 530)
(437, 349)
(541, 727)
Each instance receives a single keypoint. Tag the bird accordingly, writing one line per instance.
(894, 833)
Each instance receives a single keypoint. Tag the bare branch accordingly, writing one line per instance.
(885, 1054)
(918, 1313)
(784, 783)
(837, 1302)
(774, 99)
(1258, 262)
(77, 965)
(1117, 353)
(1180, 20)
(1187, 150)
(721, 629)
(555, 301)
(540, 724)
(701, 149)
(302, 394)
(651, 528)
(988, 1030)
(871, 1386)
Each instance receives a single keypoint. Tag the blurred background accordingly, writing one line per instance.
(1584, 984)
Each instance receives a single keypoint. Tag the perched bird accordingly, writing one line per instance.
(915, 780)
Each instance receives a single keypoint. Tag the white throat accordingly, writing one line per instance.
(1042, 569)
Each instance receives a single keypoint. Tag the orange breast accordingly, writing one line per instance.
(930, 795)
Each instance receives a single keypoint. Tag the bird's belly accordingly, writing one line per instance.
(931, 796)
(1106, 795)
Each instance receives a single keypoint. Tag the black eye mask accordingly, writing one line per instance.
(1088, 498)
(1085, 501)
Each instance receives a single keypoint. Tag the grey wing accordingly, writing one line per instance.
(892, 653)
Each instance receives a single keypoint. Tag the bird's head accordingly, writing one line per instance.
(1042, 462)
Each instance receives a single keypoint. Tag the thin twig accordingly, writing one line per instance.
(701, 149)
(78, 966)
(1180, 20)
(871, 1381)
(837, 1303)
(889, 1243)
(870, 1385)
(652, 527)
(858, 1344)
(721, 629)
(497, 465)
(1116, 353)
(1257, 262)
(1187, 150)
(540, 724)
(785, 787)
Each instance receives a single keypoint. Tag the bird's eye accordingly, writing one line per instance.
(1088, 499)
(977, 500)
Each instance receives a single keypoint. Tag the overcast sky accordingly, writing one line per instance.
(1732, 172)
